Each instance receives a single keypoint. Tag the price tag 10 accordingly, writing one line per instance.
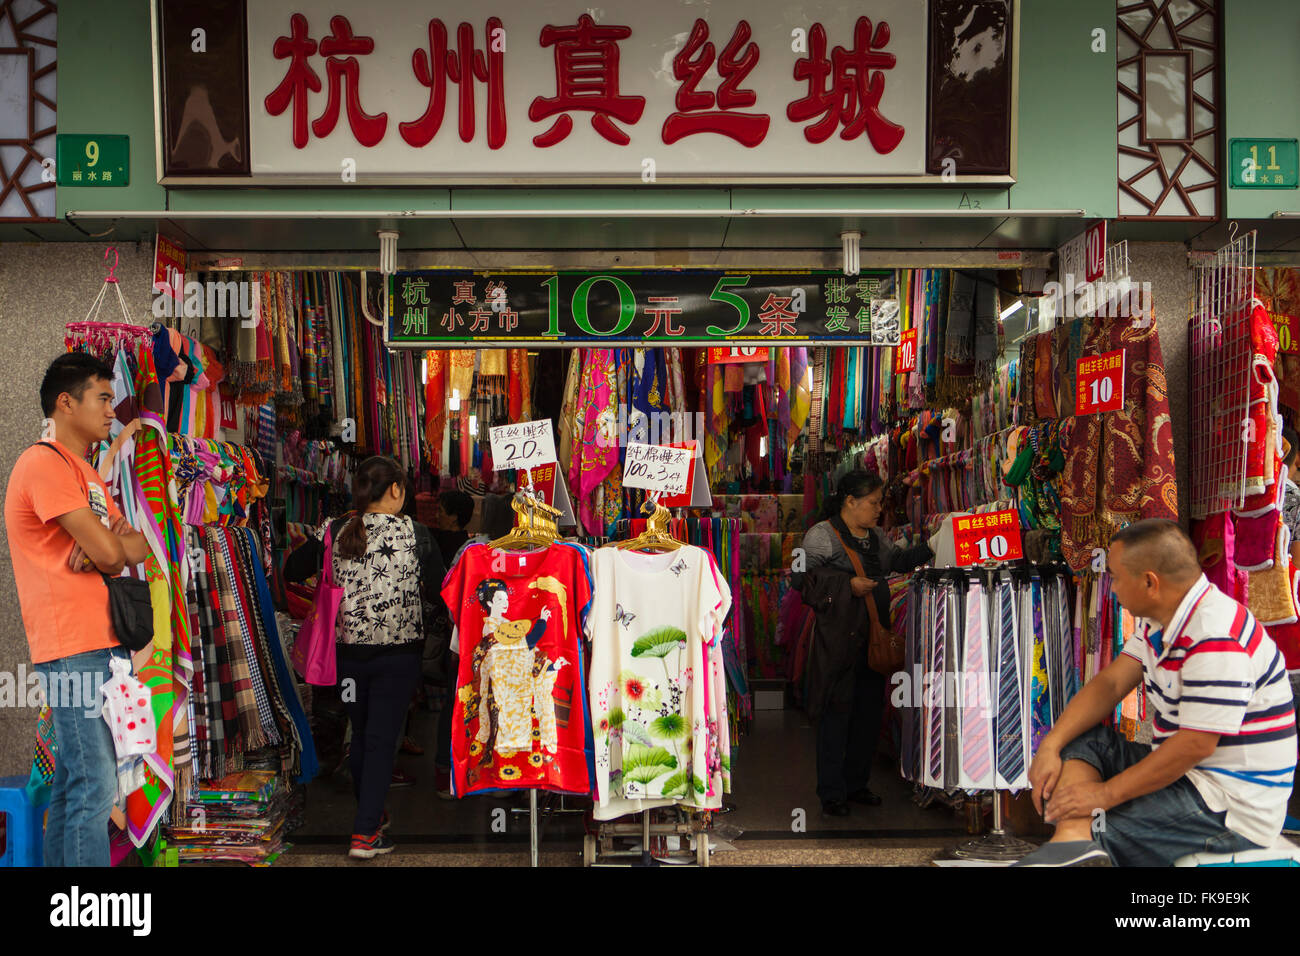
(1101, 383)
(905, 353)
(1288, 331)
(660, 468)
(522, 446)
(987, 537)
(737, 353)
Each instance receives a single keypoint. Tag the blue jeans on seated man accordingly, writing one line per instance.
(85, 764)
(1158, 828)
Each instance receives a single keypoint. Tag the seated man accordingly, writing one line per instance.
(1217, 776)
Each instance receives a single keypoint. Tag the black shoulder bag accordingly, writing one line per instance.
(130, 606)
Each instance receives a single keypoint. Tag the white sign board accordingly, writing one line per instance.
(524, 445)
(375, 91)
(657, 468)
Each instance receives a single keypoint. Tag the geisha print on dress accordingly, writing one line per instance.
(520, 714)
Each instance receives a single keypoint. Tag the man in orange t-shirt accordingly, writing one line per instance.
(64, 530)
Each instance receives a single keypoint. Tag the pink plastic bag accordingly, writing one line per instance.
(314, 655)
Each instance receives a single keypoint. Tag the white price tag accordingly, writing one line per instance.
(525, 445)
(657, 468)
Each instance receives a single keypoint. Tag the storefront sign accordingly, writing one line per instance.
(455, 309)
(95, 160)
(662, 468)
(1264, 163)
(386, 90)
(168, 268)
(905, 354)
(987, 537)
(737, 355)
(523, 445)
(1100, 383)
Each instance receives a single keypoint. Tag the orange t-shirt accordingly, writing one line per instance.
(65, 612)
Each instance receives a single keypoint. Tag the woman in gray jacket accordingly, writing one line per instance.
(850, 697)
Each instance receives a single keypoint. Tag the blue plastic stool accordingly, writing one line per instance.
(24, 832)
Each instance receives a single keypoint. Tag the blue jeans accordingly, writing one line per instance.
(1157, 828)
(85, 766)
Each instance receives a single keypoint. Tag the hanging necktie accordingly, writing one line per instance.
(976, 716)
(952, 672)
(934, 734)
(1010, 726)
(1040, 698)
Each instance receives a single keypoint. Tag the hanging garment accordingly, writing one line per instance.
(977, 751)
(654, 715)
(521, 718)
(1119, 466)
(1011, 728)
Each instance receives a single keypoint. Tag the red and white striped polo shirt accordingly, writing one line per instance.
(1219, 671)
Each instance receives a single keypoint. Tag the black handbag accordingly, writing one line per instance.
(130, 606)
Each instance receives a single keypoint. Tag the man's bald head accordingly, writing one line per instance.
(1159, 546)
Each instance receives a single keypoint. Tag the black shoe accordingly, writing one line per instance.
(865, 795)
(835, 808)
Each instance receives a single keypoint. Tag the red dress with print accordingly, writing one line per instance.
(520, 708)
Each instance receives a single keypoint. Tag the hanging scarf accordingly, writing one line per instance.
(597, 420)
(569, 409)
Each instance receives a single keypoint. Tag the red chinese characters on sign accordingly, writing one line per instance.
(905, 352)
(776, 316)
(438, 65)
(346, 70)
(663, 308)
(695, 112)
(543, 481)
(1101, 383)
(586, 78)
(299, 78)
(846, 89)
(978, 539)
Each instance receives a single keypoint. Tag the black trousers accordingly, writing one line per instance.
(442, 758)
(376, 699)
(846, 742)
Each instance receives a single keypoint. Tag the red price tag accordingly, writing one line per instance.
(987, 537)
(684, 499)
(543, 482)
(1288, 331)
(736, 354)
(1095, 252)
(905, 352)
(168, 268)
(1101, 383)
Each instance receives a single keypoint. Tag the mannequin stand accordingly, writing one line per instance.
(997, 845)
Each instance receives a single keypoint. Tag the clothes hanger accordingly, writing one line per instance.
(656, 536)
(536, 523)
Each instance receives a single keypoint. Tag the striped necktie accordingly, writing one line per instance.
(936, 675)
(977, 744)
(1010, 733)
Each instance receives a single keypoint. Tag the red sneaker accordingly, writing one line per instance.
(368, 847)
